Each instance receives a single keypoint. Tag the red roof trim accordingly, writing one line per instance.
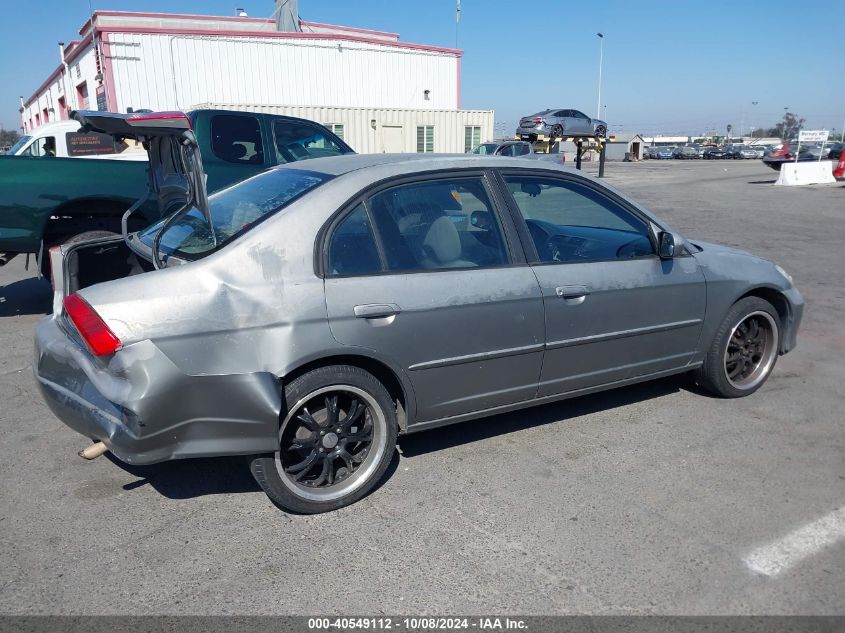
(353, 29)
(281, 35)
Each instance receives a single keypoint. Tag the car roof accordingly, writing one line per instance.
(339, 165)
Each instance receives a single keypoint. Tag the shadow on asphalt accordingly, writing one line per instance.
(762, 182)
(27, 296)
(557, 412)
(190, 478)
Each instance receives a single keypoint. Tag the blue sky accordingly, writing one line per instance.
(670, 66)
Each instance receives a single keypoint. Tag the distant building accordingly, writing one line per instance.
(157, 61)
(625, 143)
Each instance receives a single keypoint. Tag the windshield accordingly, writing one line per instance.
(233, 211)
(23, 140)
(485, 148)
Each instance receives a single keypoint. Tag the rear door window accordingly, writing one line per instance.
(299, 140)
(436, 225)
(236, 139)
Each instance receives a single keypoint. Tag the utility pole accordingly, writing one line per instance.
(601, 61)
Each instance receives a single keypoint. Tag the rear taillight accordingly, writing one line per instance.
(537, 119)
(97, 335)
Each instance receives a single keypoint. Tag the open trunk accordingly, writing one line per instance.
(175, 180)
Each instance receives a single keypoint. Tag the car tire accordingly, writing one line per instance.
(336, 439)
(744, 350)
(601, 132)
(557, 131)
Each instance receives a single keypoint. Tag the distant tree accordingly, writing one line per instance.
(787, 128)
(8, 137)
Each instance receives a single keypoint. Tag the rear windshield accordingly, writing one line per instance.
(234, 211)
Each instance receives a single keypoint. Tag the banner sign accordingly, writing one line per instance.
(813, 136)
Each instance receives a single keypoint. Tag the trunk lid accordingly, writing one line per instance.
(176, 179)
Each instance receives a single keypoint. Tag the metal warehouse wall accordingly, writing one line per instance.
(160, 72)
(449, 125)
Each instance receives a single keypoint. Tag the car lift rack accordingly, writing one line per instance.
(582, 144)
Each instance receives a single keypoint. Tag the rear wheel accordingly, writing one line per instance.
(335, 442)
(744, 350)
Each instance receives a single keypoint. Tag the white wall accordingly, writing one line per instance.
(358, 132)
(162, 72)
(49, 97)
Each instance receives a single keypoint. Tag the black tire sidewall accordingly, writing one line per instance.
(712, 375)
(263, 467)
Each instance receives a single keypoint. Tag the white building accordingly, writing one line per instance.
(155, 61)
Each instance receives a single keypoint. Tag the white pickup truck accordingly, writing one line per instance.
(63, 139)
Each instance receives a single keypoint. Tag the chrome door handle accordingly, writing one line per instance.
(572, 292)
(376, 310)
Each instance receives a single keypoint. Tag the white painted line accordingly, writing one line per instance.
(772, 559)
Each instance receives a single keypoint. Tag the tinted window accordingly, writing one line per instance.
(520, 149)
(485, 148)
(299, 140)
(438, 224)
(507, 150)
(352, 250)
(237, 139)
(570, 222)
(233, 211)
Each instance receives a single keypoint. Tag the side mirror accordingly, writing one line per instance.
(666, 245)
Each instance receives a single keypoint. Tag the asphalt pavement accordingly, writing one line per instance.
(652, 499)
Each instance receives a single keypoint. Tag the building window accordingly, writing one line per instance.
(472, 137)
(425, 138)
(337, 129)
(82, 95)
(77, 71)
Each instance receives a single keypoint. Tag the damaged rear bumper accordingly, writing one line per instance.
(145, 409)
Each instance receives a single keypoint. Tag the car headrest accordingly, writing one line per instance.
(442, 241)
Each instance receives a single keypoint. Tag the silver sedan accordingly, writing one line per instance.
(310, 314)
(561, 124)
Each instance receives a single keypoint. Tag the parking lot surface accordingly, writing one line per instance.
(649, 499)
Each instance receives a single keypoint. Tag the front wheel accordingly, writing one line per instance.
(601, 132)
(335, 442)
(744, 351)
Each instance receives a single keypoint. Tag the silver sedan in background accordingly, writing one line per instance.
(561, 124)
(311, 313)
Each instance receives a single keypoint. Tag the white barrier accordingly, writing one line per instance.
(806, 173)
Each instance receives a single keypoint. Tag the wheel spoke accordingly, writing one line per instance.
(298, 444)
(304, 466)
(732, 374)
(324, 473)
(753, 329)
(308, 420)
(331, 409)
(355, 411)
(347, 459)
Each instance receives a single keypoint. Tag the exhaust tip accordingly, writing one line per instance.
(94, 451)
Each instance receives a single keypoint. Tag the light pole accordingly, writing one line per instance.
(601, 61)
(753, 103)
(785, 112)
